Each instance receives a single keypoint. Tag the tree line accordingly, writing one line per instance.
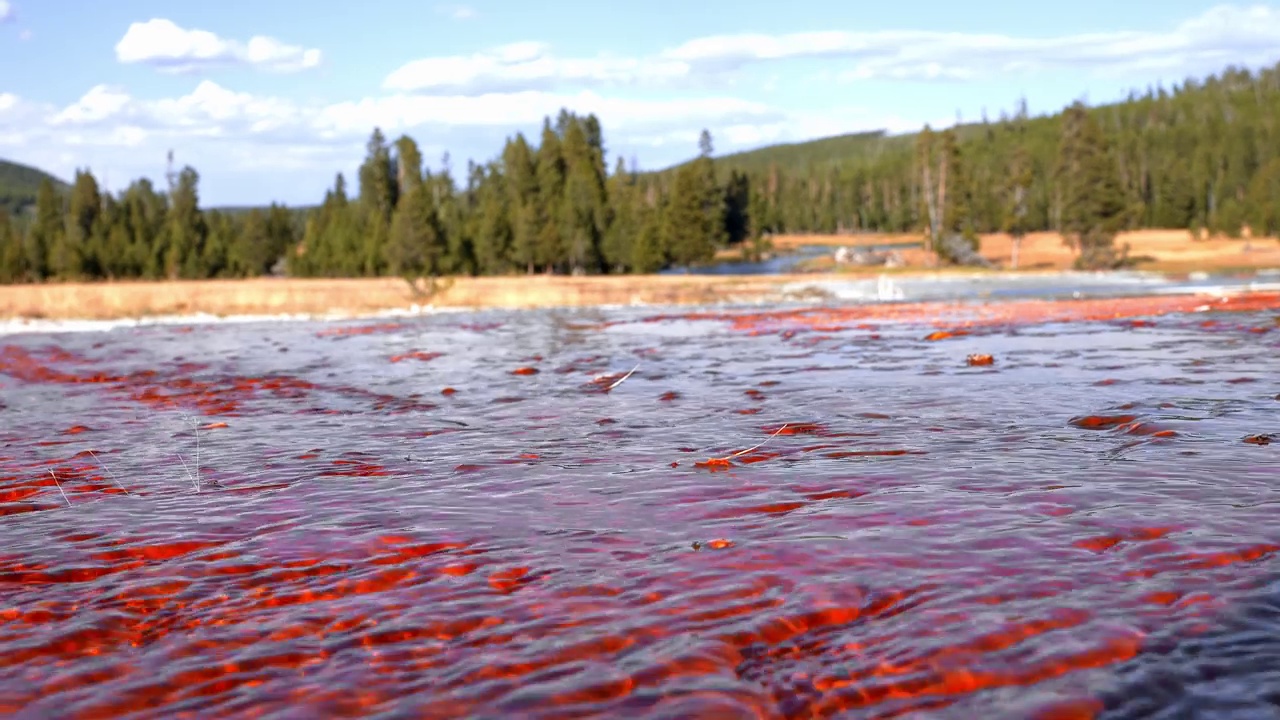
(1204, 156)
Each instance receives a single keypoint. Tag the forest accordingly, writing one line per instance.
(1204, 156)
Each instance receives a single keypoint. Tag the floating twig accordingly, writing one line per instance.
(724, 462)
(58, 485)
(111, 474)
(623, 379)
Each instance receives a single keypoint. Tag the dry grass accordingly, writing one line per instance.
(1165, 250)
(1157, 250)
(102, 301)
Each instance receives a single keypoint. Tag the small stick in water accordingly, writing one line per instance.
(723, 462)
(622, 379)
(114, 479)
(58, 485)
(195, 483)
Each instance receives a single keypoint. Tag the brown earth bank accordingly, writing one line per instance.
(263, 296)
(1172, 251)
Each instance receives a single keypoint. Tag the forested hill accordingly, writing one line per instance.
(828, 151)
(1202, 155)
(18, 185)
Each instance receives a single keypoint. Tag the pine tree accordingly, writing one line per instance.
(12, 265)
(71, 256)
(184, 230)
(649, 247)
(1016, 221)
(584, 199)
(550, 245)
(622, 216)
(1094, 209)
(408, 164)
(694, 222)
(46, 232)
(737, 200)
(459, 255)
(521, 178)
(417, 243)
(215, 255)
(1264, 200)
(493, 226)
(377, 200)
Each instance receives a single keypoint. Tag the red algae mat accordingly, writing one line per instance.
(1046, 509)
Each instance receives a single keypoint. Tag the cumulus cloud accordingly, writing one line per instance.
(526, 65)
(223, 132)
(469, 103)
(1249, 35)
(212, 109)
(169, 47)
(1246, 34)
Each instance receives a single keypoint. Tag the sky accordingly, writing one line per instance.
(269, 100)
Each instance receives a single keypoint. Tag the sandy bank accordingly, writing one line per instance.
(117, 300)
(1173, 251)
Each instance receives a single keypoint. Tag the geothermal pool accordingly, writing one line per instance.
(840, 511)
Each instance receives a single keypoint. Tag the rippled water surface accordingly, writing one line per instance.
(814, 512)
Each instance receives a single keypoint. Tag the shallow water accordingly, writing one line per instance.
(476, 515)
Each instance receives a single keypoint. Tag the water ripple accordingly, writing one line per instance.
(809, 512)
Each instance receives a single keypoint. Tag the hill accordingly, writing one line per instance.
(853, 149)
(813, 153)
(18, 185)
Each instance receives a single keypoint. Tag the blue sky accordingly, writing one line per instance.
(268, 100)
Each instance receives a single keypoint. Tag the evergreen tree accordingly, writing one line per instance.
(695, 217)
(584, 199)
(377, 200)
(408, 164)
(622, 219)
(648, 249)
(494, 232)
(1093, 205)
(1016, 220)
(12, 260)
(417, 243)
(737, 200)
(72, 255)
(1264, 200)
(550, 245)
(45, 233)
(520, 176)
(459, 256)
(184, 229)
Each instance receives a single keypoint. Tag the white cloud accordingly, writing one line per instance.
(1245, 34)
(171, 48)
(526, 65)
(223, 132)
(469, 103)
(457, 12)
(510, 110)
(6, 11)
(1248, 35)
(213, 109)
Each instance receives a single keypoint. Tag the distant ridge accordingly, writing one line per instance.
(19, 183)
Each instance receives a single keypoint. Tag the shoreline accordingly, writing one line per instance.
(54, 307)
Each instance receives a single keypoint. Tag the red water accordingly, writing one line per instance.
(941, 510)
